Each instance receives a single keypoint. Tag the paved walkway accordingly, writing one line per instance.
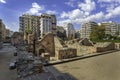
(6, 56)
(103, 67)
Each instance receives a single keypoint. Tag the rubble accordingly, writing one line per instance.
(27, 64)
(30, 67)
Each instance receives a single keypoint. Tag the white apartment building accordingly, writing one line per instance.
(47, 24)
(86, 29)
(111, 28)
(70, 31)
(40, 25)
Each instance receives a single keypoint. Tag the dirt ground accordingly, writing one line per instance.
(6, 56)
(103, 67)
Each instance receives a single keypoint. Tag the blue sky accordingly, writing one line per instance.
(67, 11)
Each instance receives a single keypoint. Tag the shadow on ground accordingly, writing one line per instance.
(60, 75)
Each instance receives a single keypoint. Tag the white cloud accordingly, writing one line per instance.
(114, 12)
(70, 3)
(63, 22)
(77, 16)
(76, 13)
(51, 12)
(108, 1)
(35, 8)
(88, 6)
(109, 4)
(79, 19)
(98, 16)
(2, 1)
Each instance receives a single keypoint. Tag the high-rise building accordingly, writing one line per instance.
(70, 31)
(119, 30)
(54, 22)
(87, 28)
(47, 24)
(38, 25)
(111, 28)
(28, 22)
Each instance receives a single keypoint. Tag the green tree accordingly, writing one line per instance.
(98, 33)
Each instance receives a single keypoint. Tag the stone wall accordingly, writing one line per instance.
(110, 46)
(81, 50)
(77, 47)
(99, 47)
(53, 45)
(117, 46)
(46, 44)
(45, 57)
(86, 42)
(30, 38)
(58, 45)
(65, 53)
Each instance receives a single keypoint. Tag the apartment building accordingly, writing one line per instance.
(27, 22)
(70, 31)
(47, 24)
(38, 25)
(86, 29)
(111, 27)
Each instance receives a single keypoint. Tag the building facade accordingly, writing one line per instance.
(2, 30)
(24, 23)
(111, 28)
(47, 24)
(77, 34)
(0, 33)
(70, 31)
(87, 28)
(8, 33)
(38, 25)
(28, 22)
